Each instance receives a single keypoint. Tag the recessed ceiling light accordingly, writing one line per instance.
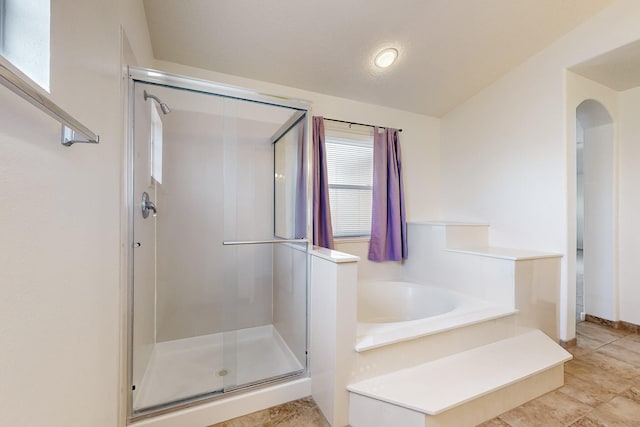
(386, 57)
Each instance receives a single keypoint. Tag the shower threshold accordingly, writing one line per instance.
(188, 368)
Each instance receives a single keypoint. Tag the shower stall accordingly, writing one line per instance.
(218, 259)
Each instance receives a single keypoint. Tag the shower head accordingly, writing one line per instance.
(164, 107)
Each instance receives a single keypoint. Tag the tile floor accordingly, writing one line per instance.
(299, 413)
(602, 385)
(602, 389)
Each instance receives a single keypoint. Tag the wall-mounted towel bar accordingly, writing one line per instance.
(72, 130)
(262, 242)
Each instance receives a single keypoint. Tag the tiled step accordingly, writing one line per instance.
(443, 342)
(464, 389)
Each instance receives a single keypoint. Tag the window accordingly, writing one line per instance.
(350, 171)
(24, 37)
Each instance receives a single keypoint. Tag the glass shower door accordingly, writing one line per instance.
(208, 317)
(177, 318)
(265, 272)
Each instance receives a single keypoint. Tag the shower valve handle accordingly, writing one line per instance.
(147, 206)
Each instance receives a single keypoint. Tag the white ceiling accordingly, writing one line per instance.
(449, 49)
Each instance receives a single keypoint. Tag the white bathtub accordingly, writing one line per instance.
(394, 311)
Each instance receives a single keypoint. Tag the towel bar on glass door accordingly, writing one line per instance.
(72, 130)
(260, 242)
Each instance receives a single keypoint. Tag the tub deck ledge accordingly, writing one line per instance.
(372, 335)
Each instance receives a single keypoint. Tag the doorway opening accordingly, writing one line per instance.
(595, 209)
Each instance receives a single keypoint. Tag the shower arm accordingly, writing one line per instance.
(164, 107)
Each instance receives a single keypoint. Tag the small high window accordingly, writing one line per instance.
(24, 37)
(350, 172)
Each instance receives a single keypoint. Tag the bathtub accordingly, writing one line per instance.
(394, 311)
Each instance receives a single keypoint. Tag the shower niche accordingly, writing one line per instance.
(218, 270)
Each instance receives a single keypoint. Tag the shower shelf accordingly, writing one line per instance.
(72, 130)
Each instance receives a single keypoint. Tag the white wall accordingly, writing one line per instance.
(506, 152)
(579, 185)
(60, 231)
(370, 270)
(629, 205)
(600, 287)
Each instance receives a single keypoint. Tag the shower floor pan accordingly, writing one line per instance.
(192, 367)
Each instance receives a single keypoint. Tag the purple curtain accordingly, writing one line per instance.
(388, 219)
(300, 228)
(322, 230)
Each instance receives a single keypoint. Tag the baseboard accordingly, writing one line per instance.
(614, 324)
(630, 327)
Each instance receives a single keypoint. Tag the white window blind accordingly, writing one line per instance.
(350, 173)
(24, 37)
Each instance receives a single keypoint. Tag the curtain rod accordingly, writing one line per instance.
(356, 123)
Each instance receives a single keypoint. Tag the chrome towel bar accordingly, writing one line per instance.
(261, 242)
(72, 130)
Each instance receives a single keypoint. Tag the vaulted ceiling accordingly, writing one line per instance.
(449, 49)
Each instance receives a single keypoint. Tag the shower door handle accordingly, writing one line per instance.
(147, 206)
